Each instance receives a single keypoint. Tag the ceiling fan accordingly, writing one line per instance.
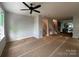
(31, 8)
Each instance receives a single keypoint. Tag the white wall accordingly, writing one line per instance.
(38, 26)
(19, 26)
(76, 27)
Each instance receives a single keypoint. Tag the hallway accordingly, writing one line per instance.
(55, 45)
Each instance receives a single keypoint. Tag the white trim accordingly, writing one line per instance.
(1, 37)
(13, 39)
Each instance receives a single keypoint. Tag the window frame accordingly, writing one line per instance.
(2, 35)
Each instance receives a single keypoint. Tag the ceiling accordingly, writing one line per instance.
(50, 9)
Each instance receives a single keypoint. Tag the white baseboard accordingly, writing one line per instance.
(13, 39)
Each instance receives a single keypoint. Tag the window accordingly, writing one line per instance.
(1, 24)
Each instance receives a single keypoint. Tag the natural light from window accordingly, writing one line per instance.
(1, 24)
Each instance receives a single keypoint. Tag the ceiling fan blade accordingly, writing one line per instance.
(26, 4)
(37, 11)
(36, 6)
(25, 9)
(30, 11)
